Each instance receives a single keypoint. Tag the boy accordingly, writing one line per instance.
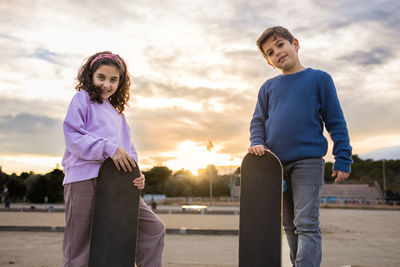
(289, 119)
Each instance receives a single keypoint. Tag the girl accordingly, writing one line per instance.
(95, 129)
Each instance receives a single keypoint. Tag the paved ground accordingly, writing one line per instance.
(360, 238)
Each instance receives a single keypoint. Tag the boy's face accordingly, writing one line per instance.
(281, 53)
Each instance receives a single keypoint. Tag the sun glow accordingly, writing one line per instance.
(28, 162)
(156, 103)
(193, 156)
(376, 142)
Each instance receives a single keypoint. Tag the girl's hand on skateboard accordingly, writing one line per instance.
(257, 150)
(123, 160)
(340, 176)
(139, 182)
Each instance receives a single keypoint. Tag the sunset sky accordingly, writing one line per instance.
(196, 72)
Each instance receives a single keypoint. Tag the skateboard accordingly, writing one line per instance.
(115, 218)
(261, 201)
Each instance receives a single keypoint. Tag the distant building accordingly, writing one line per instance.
(349, 193)
(148, 198)
(236, 192)
(342, 193)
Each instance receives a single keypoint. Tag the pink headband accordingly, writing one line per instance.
(111, 55)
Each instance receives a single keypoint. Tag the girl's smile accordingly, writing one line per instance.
(107, 78)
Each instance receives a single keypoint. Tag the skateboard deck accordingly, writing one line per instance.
(261, 198)
(115, 218)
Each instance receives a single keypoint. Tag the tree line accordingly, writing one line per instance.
(35, 188)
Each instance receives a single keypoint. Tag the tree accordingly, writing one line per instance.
(37, 190)
(48, 185)
(201, 186)
(208, 174)
(368, 171)
(16, 188)
(175, 187)
(54, 187)
(221, 187)
(180, 184)
(155, 179)
(328, 173)
(25, 175)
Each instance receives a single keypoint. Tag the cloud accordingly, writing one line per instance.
(54, 109)
(177, 62)
(368, 117)
(30, 134)
(164, 128)
(196, 68)
(45, 55)
(344, 13)
(389, 153)
(375, 56)
(248, 65)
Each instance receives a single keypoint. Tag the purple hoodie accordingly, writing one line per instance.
(92, 132)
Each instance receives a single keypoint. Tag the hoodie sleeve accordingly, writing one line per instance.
(79, 141)
(132, 148)
(134, 153)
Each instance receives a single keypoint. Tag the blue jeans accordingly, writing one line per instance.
(301, 210)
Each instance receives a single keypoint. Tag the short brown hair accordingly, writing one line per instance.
(276, 31)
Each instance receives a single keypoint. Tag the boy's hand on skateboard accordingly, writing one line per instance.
(139, 182)
(340, 176)
(257, 150)
(123, 160)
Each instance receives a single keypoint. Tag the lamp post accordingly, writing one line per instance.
(209, 147)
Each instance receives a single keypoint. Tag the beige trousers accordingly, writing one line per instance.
(79, 199)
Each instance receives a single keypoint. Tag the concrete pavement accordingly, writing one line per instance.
(366, 238)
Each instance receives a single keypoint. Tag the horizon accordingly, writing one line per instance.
(196, 72)
(376, 155)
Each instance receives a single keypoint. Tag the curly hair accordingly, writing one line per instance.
(85, 79)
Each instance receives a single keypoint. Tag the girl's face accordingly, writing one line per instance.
(107, 78)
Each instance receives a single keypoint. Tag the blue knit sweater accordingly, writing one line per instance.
(290, 115)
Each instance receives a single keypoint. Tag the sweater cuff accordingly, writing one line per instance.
(109, 150)
(258, 141)
(342, 166)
